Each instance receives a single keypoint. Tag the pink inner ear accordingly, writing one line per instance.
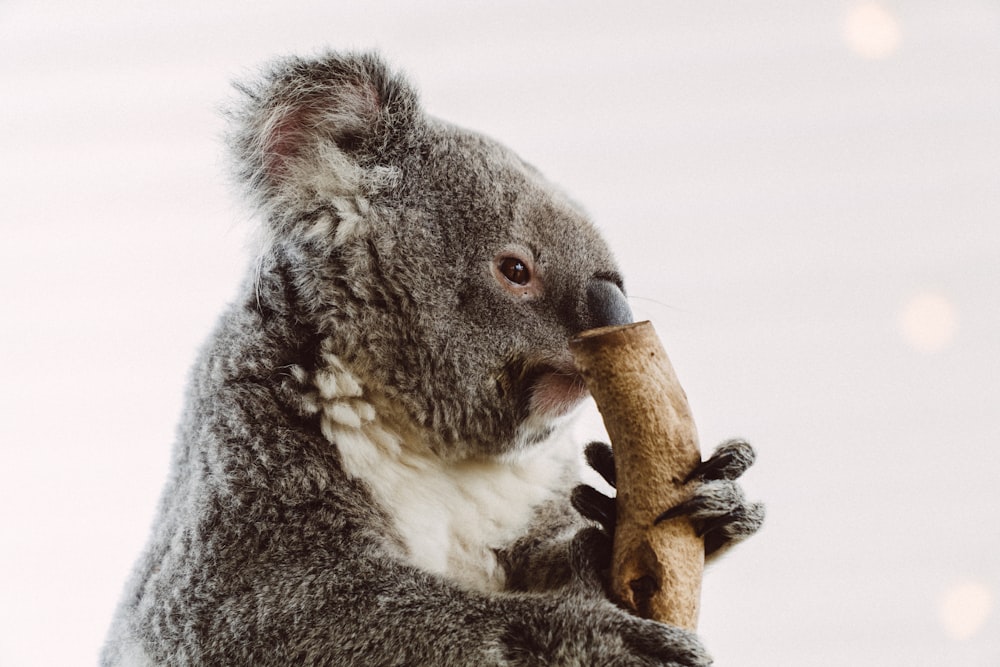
(283, 141)
(332, 115)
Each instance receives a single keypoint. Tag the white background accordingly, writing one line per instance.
(805, 197)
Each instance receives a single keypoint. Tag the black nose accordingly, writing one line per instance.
(606, 305)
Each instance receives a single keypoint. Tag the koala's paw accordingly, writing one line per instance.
(717, 508)
(583, 631)
(591, 548)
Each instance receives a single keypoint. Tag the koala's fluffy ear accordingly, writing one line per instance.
(317, 129)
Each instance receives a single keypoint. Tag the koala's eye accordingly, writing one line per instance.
(515, 270)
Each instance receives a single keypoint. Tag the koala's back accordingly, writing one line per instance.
(256, 500)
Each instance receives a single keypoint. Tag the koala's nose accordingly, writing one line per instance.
(606, 305)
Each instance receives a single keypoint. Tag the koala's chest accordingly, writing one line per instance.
(450, 516)
(451, 519)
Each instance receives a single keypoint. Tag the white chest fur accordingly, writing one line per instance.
(451, 516)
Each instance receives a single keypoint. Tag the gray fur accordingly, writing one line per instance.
(373, 306)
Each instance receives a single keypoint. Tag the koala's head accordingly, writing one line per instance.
(444, 271)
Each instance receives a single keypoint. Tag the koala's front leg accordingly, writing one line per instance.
(382, 612)
(717, 508)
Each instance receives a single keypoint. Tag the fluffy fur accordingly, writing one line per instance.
(371, 468)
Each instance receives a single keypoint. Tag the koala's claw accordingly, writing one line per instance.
(729, 460)
(723, 532)
(601, 458)
(720, 514)
(595, 506)
(715, 499)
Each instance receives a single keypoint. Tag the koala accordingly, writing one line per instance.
(374, 465)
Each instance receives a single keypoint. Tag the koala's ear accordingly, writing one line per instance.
(311, 124)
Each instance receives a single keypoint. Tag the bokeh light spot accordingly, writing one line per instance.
(964, 609)
(928, 322)
(871, 31)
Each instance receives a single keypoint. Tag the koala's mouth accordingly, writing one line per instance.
(555, 389)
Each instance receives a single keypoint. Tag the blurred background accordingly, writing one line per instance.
(805, 198)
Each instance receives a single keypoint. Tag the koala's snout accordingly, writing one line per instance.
(606, 305)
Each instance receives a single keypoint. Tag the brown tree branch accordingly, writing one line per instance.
(656, 569)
